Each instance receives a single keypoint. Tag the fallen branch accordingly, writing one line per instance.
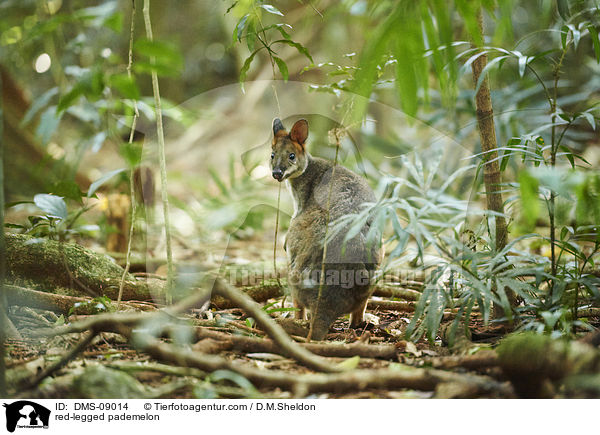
(373, 304)
(303, 384)
(480, 360)
(59, 303)
(247, 344)
(390, 291)
(288, 346)
(259, 293)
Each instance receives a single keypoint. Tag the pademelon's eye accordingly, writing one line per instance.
(292, 156)
(272, 156)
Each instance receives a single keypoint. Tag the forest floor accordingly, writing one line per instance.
(220, 350)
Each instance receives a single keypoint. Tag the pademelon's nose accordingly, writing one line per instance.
(277, 174)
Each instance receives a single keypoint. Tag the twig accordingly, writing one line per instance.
(287, 345)
(132, 201)
(64, 360)
(162, 161)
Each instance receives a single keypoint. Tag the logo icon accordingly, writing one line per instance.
(26, 414)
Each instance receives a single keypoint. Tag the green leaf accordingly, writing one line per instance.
(280, 27)
(595, 41)
(301, 48)
(282, 67)
(125, 85)
(406, 76)
(69, 98)
(15, 226)
(132, 153)
(239, 28)
(251, 36)
(49, 122)
(98, 14)
(271, 9)
(564, 33)
(163, 56)
(529, 198)
(37, 105)
(68, 189)
(218, 181)
(96, 141)
(563, 9)
(468, 11)
(349, 363)
(590, 119)
(484, 72)
(52, 205)
(103, 179)
(114, 22)
(371, 57)
(523, 60)
(246, 66)
(568, 155)
(141, 67)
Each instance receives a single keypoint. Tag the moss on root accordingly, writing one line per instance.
(68, 268)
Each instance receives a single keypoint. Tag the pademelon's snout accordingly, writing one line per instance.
(278, 174)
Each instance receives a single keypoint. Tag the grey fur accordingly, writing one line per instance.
(349, 266)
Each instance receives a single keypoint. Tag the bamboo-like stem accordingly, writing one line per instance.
(553, 152)
(136, 115)
(162, 161)
(3, 305)
(491, 169)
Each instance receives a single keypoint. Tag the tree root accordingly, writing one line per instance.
(60, 303)
(339, 350)
(391, 291)
(304, 384)
(288, 346)
(48, 264)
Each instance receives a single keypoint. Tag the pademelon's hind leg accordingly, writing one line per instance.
(357, 316)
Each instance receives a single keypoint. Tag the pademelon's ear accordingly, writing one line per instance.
(277, 126)
(299, 131)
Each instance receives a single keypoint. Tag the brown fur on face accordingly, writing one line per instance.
(288, 152)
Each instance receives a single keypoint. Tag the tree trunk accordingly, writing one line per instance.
(491, 168)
